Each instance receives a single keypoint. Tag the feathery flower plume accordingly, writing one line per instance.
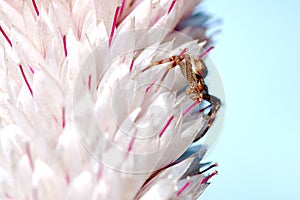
(87, 112)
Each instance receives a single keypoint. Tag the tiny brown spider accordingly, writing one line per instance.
(194, 70)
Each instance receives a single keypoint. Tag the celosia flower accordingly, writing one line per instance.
(79, 120)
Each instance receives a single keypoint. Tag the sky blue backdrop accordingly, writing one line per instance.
(258, 55)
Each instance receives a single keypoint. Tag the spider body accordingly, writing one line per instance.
(194, 70)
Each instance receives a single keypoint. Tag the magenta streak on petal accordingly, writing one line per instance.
(29, 157)
(132, 61)
(210, 167)
(25, 79)
(89, 82)
(202, 55)
(172, 5)
(155, 20)
(67, 177)
(35, 8)
(122, 7)
(100, 171)
(44, 52)
(191, 106)
(63, 117)
(31, 69)
(168, 164)
(208, 177)
(79, 27)
(113, 25)
(123, 59)
(183, 188)
(149, 87)
(7, 196)
(166, 126)
(34, 194)
(65, 45)
(183, 52)
(131, 65)
(130, 144)
(5, 36)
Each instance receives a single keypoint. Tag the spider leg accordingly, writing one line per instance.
(166, 60)
(160, 62)
(215, 106)
(169, 67)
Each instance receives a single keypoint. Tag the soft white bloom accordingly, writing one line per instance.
(78, 118)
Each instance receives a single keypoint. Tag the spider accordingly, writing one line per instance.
(194, 71)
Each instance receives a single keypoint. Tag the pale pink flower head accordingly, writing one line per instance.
(81, 119)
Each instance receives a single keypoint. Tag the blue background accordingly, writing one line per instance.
(257, 55)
